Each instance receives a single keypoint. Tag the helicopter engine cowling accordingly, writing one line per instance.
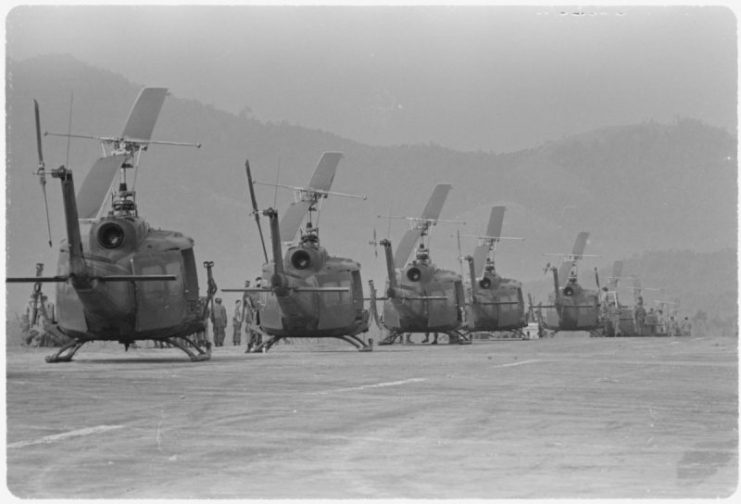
(305, 258)
(111, 235)
(116, 237)
(414, 274)
(301, 259)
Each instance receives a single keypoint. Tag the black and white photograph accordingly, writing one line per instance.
(361, 251)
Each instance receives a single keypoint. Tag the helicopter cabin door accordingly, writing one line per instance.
(160, 304)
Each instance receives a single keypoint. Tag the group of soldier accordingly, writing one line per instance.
(653, 322)
(246, 313)
(37, 323)
(644, 322)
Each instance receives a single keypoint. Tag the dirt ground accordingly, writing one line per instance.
(569, 416)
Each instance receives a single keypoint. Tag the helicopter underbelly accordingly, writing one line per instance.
(317, 314)
(497, 312)
(106, 309)
(126, 310)
(423, 315)
(576, 314)
(160, 304)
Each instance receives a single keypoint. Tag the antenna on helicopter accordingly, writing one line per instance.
(41, 170)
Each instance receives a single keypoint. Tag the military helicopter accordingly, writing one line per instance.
(310, 293)
(617, 319)
(571, 307)
(496, 303)
(420, 297)
(125, 281)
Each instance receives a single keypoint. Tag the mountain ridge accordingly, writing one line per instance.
(636, 188)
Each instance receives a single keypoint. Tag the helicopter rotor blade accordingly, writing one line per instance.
(479, 258)
(435, 203)
(493, 229)
(405, 247)
(38, 133)
(496, 219)
(430, 216)
(325, 171)
(576, 253)
(255, 210)
(41, 170)
(144, 113)
(95, 187)
(291, 220)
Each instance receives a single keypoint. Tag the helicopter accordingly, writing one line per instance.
(124, 281)
(617, 318)
(571, 307)
(310, 293)
(623, 320)
(496, 303)
(420, 297)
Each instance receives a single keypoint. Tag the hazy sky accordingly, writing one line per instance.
(477, 77)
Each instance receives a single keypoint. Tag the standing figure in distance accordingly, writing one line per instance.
(237, 324)
(219, 320)
(251, 319)
(685, 327)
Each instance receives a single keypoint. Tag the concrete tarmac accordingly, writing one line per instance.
(569, 416)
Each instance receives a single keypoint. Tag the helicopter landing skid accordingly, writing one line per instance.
(70, 348)
(202, 354)
(358, 343)
(459, 337)
(596, 333)
(391, 338)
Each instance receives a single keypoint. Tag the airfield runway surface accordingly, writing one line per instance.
(569, 416)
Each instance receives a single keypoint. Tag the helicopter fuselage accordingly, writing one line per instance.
(425, 299)
(497, 304)
(126, 310)
(574, 309)
(288, 312)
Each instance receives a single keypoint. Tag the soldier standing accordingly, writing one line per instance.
(251, 321)
(661, 322)
(686, 327)
(651, 322)
(237, 324)
(640, 317)
(219, 320)
(673, 327)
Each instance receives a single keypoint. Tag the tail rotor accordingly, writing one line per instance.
(375, 243)
(255, 209)
(41, 170)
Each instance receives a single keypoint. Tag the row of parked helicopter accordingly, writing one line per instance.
(118, 279)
